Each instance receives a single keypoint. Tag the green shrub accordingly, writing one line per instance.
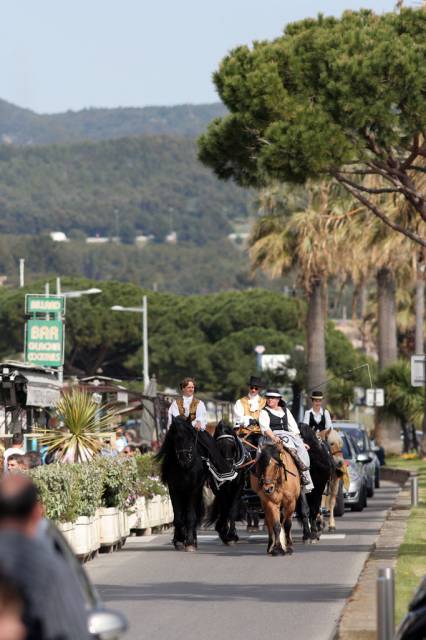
(90, 487)
(148, 484)
(119, 480)
(59, 491)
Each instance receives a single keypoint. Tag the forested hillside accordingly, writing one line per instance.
(22, 126)
(151, 185)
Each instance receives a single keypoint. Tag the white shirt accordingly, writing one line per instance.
(19, 450)
(318, 416)
(264, 420)
(200, 414)
(240, 419)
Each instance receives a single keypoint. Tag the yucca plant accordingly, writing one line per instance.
(84, 421)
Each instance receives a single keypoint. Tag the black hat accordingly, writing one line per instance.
(256, 382)
(273, 393)
(317, 395)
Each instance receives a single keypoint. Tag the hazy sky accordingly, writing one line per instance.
(57, 55)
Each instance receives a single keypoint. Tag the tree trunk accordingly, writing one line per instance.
(386, 290)
(316, 337)
(420, 302)
(297, 400)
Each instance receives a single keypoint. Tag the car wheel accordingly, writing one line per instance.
(370, 490)
(377, 478)
(362, 502)
(339, 507)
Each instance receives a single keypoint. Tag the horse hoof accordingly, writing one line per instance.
(179, 546)
(332, 528)
(290, 551)
(190, 548)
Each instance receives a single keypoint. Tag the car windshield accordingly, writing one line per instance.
(359, 437)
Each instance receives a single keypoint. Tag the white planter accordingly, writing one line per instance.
(154, 512)
(83, 536)
(142, 514)
(67, 529)
(109, 526)
(124, 524)
(133, 517)
(96, 532)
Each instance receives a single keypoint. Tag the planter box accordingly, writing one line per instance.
(124, 524)
(109, 526)
(84, 536)
(67, 529)
(133, 517)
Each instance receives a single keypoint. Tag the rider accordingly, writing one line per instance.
(277, 423)
(317, 417)
(189, 406)
(247, 408)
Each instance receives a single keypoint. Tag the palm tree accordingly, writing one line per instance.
(307, 242)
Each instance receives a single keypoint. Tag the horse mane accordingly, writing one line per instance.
(309, 436)
(318, 451)
(166, 454)
(268, 451)
(334, 438)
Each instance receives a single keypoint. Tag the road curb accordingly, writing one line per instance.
(358, 618)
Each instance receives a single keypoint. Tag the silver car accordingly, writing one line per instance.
(355, 496)
(363, 445)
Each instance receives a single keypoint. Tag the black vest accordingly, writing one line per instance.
(277, 423)
(317, 426)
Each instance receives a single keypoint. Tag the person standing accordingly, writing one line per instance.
(317, 417)
(17, 447)
(278, 425)
(248, 408)
(189, 406)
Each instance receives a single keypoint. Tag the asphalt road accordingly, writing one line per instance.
(239, 592)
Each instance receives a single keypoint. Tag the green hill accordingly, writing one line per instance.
(22, 126)
(151, 185)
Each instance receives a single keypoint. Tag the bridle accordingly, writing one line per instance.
(275, 480)
(187, 453)
(226, 436)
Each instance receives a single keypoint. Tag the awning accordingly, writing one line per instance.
(42, 391)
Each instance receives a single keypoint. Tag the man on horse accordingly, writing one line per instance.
(277, 424)
(247, 408)
(317, 417)
(189, 406)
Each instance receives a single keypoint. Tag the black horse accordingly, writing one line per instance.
(183, 471)
(227, 505)
(321, 468)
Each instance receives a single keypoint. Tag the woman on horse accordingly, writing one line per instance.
(188, 406)
(317, 417)
(247, 408)
(277, 424)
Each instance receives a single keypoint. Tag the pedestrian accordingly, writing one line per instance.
(120, 439)
(317, 417)
(17, 447)
(54, 607)
(247, 408)
(278, 425)
(32, 459)
(189, 406)
(16, 463)
(11, 611)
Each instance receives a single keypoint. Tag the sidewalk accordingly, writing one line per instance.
(358, 620)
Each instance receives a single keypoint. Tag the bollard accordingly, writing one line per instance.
(385, 604)
(414, 491)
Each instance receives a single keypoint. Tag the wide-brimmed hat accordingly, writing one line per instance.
(273, 393)
(256, 382)
(317, 395)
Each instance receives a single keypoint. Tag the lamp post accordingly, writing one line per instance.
(144, 311)
(71, 294)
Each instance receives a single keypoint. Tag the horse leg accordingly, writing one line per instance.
(178, 520)
(272, 514)
(288, 521)
(191, 524)
(303, 511)
(334, 485)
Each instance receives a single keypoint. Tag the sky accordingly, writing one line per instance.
(57, 56)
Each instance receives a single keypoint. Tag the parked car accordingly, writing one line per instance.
(103, 623)
(355, 496)
(363, 444)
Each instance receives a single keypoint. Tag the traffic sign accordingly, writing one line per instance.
(375, 397)
(44, 342)
(38, 303)
(418, 365)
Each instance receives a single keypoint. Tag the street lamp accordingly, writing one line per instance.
(144, 311)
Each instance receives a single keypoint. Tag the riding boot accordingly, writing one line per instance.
(299, 463)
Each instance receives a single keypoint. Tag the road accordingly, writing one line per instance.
(239, 592)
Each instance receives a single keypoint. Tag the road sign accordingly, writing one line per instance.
(375, 397)
(44, 342)
(418, 365)
(39, 303)
(274, 361)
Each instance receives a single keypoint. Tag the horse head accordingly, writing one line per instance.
(227, 442)
(334, 441)
(269, 468)
(184, 441)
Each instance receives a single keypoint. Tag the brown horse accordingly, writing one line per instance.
(277, 483)
(335, 444)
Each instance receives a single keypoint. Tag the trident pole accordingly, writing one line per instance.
(145, 342)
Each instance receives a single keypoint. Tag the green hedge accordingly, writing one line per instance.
(68, 491)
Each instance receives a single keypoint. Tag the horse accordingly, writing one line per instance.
(226, 507)
(250, 436)
(277, 483)
(321, 469)
(183, 471)
(335, 444)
